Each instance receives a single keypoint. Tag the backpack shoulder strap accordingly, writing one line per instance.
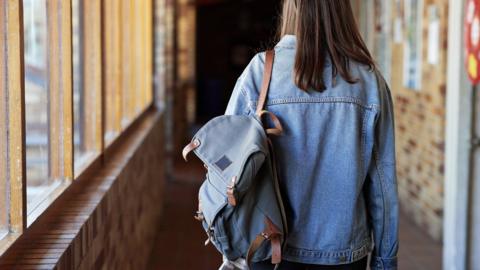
(267, 76)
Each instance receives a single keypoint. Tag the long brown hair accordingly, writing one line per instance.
(323, 28)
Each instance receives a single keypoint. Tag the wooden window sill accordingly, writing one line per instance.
(85, 161)
(7, 241)
(40, 207)
(71, 215)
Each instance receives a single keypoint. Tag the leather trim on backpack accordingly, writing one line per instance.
(272, 234)
(194, 144)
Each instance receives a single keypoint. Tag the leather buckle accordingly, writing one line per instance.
(231, 192)
(199, 216)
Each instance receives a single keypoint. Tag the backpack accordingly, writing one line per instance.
(240, 203)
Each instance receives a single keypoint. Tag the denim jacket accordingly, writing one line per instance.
(336, 160)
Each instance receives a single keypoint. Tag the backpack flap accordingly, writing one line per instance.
(233, 148)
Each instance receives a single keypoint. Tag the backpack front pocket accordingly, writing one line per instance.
(211, 201)
(217, 216)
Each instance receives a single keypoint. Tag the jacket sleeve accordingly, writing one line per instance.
(239, 103)
(381, 186)
(245, 93)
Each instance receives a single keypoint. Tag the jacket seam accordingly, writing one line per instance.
(385, 233)
(348, 253)
(379, 163)
(282, 101)
(244, 93)
(248, 109)
(285, 47)
(364, 141)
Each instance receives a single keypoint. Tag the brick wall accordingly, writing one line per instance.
(420, 128)
(107, 220)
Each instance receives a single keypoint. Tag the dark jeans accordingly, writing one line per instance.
(285, 265)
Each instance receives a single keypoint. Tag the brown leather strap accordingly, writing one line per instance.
(254, 246)
(274, 235)
(276, 183)
(267, 76)
(276, 249)
(271, 233)
(189, 148)
(232, 200)
(278, 130)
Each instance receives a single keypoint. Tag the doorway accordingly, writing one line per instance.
(229, 34)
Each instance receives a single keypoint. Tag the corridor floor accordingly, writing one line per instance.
(179, 244)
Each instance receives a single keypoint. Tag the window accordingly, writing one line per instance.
(113, 69)
(78, 93)
(128, 67)
(48, 100)
(87, 81)
(63, 96)
(12, 143)
(39, 178)
(137, 58)
(128, 49)
(159, 51)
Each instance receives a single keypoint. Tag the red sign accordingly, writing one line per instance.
(472, 40)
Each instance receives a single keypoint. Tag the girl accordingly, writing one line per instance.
(336, 158)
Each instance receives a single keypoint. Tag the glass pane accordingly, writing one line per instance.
(85, 87)
(78, 93)
(3, 140)
(39, 183)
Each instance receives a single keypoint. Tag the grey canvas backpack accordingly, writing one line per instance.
(240, 203)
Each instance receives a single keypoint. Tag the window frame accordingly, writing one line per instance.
(11, 78)
(98, 81)
(60, 87)
(3, 138)
(113, 82)
(91, 76)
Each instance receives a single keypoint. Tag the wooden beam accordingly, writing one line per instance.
(12, 77)
(132, 55)
(137, 57)
(92, 71)
(144, 17)
(60, 88)
(67, 75)
(3, 126)
(149, 51)
(127, 61)
(113, 67)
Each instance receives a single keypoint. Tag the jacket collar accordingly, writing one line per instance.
(288, 41)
